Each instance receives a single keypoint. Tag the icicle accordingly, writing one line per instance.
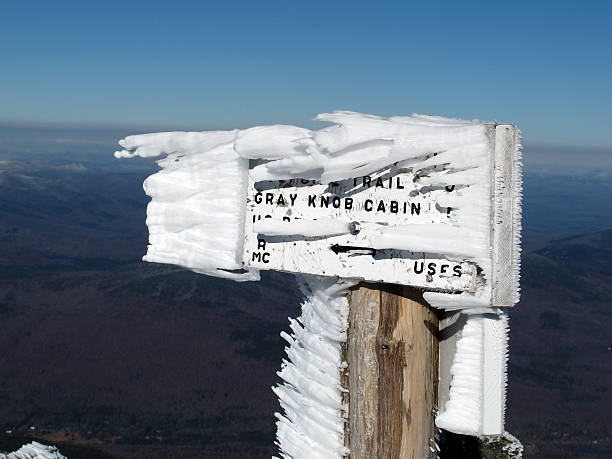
(312, 425)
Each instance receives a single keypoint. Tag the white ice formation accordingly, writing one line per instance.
(34, 450)
(196, 220)
(312, 426)
(478, 378)
(196, 214)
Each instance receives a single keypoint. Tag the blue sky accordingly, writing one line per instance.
(545, 66)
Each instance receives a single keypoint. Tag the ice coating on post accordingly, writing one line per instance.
(477, 398)
(312, 426)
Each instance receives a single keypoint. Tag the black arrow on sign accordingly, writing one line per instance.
(337, 248)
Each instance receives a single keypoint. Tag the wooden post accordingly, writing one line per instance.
(392, 354)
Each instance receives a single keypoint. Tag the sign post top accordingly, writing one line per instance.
(424, 201)
(430, 224)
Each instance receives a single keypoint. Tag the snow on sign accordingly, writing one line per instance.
(336, 224)
(444, 217)
(421, 200)
(424, 201)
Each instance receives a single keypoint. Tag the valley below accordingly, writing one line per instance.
(106, 356)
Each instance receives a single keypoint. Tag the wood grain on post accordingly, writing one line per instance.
(392, 354)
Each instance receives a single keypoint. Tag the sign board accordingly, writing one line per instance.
(389, 197)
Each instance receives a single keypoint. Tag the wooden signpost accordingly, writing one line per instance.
(392, 343)
(392, 350)
(467, 255)
(392, 346)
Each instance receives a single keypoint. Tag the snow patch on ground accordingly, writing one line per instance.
(34, 450)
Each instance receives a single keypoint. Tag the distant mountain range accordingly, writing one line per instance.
(555, 206)
(560, 385)
(105, 353)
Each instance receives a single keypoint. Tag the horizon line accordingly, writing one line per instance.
(161, 127)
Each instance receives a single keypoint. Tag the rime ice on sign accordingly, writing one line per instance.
(480, 160)
(396, 229)
(303, 226)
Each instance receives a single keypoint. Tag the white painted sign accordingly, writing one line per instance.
(389, 197)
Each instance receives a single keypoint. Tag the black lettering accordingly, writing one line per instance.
(367, 180)
(381, 207)
(256, 256)
(399, 186)
(311, 200)
(379, 182)
(393, 208)
(261, 244)
(418, 270)
(457, 270)
(304, 181)
(325, 201)
(258, 198)
(269, 198)
(266, 257)
(449, 188)
(348, 203)
(368, 205)
(286, 219)
(280, 201)
(336, 202)
(415, 208)
(293, 197)
(431, 269)
(443, 268)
